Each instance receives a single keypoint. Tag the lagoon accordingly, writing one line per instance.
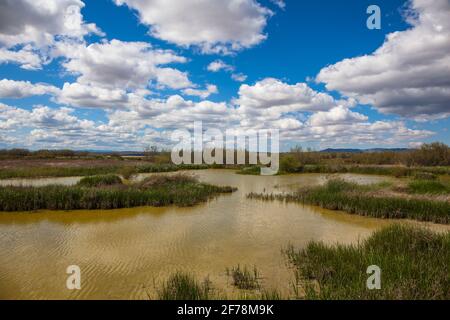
(127, 253)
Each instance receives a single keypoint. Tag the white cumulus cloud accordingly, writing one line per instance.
(215, 26)
(409, 75)
(36, 25)
(125, 65)
(209, 90)
(21, 89)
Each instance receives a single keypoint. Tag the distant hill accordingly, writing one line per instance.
(330, 150)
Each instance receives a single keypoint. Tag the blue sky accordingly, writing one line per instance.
(122, 74)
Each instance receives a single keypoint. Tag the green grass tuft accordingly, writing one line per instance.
(414, 265)
(183, 286)
(244, 278)
(428, 187)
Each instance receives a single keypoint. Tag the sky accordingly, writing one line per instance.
(124, 74)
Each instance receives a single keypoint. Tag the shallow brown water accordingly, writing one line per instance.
(124, 254)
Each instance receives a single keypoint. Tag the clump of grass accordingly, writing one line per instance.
(427, 187)
(339, 185)
(271, 294)
(413, 261)
(183, 286)
(158, 180)
(127, 172)
(180, 193)
(424, 176)
(243, 278)
(98, 181)
(352, 198)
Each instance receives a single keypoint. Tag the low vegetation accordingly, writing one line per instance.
(428, 187)
(99, 181)
(92, 194)
(414, 265)
(428, 161)
(428, 155)
(243, 278)
(161, 180)
(289, 165)
(364, 200)
(44, 154)
(125, 170)
(425, 163)
(432, 154)
(38, 172)
(183, 286)
(396, 171)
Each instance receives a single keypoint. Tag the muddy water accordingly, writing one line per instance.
(125, 254)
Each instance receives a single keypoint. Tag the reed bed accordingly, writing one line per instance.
(355, 199)
(414, 265)
(428, 187)
(179, 191)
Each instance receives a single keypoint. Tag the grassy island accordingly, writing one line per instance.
(379, 201)
(109, 192)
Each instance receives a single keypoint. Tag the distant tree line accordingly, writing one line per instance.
(41, 154)
(433, 154)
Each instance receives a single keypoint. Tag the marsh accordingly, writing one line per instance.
(127, 253)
